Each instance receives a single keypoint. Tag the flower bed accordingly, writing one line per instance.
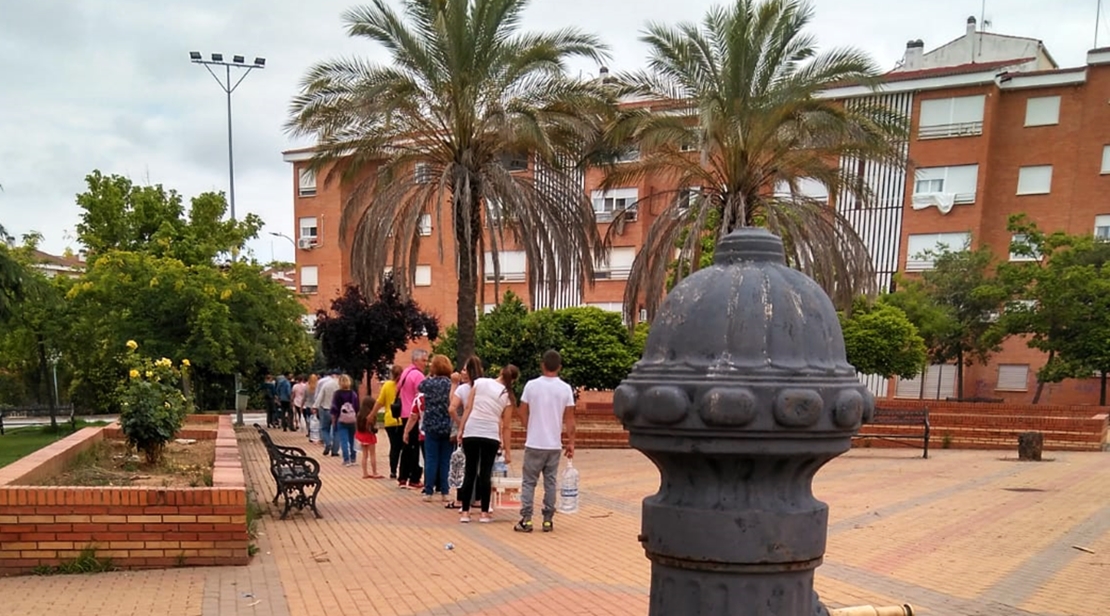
(136, 527)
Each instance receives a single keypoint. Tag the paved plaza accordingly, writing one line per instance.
(963, 533)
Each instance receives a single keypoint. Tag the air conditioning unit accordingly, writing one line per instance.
(306, 243)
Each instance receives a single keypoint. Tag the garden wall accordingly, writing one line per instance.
(137, 527)
(959, 425)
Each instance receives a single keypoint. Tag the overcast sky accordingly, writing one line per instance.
(106, 84)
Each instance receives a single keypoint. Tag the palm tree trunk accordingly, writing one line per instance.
(466, 318)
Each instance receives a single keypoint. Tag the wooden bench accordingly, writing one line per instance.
(899, 417)
(296, 476)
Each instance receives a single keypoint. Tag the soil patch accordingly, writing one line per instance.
(113, 463)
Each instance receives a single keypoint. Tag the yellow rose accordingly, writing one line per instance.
(131, 344)
(149, 374)
(185, 363)
(134, 373)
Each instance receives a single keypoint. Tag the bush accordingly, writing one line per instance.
(152, 409)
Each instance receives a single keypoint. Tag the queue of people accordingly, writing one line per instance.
(428, 411)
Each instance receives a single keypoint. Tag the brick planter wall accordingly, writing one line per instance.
(140, 527)
(966, 425)
(201, 434)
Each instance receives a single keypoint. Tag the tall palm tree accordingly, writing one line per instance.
(742, 89)
(466, 91)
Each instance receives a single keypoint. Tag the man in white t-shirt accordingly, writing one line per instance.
(546, 403)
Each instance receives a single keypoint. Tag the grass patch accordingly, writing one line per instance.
(19, 442)
(87, 562)
(254, 513)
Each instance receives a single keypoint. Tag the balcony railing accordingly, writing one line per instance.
(942, 131)
(608, 216)
(612, 273)
(506, 277)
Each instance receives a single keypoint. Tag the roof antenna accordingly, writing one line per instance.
(1098, 17)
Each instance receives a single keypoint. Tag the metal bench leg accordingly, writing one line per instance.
(312, 499)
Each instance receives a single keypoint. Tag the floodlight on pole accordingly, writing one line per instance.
(238, 62)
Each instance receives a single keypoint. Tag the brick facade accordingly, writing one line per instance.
(136, 527)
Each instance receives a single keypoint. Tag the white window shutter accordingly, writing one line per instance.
(936, 112)
(423, 277)
(1013, 377)
(1042, 111)
(1035, 180)
(306, 182)
(966, 109)
(1105, 159)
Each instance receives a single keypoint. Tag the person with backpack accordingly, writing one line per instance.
(394, 426)
(409, 471)
(436, 424)
(344, 412)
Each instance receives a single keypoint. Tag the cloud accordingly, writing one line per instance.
(106, 84)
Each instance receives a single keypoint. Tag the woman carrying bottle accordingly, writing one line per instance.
(485, 426)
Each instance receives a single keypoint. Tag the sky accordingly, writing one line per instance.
(107, 84)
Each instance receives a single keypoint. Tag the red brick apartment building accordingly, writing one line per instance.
(997, 129)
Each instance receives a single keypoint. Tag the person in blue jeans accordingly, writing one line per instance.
(344, 413)
(325, 391)
(437, 422)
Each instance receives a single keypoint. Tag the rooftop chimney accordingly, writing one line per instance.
(915, 53)
(971, 25)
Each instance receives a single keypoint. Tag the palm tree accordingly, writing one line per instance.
(742, 89)
(466, 92)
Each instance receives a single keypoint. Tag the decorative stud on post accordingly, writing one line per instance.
(742, 394)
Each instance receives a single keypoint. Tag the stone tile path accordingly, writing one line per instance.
(964, 533)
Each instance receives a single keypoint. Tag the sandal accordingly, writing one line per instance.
(453, 505)
(464, 518)
(486, 518)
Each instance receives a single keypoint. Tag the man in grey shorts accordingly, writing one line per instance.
(546, 403)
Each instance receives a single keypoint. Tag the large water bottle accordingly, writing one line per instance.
(568, 490)
(500, 467)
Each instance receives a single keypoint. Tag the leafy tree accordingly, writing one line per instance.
(359, 336)
(433, 133)
(954, 307)
(880, 339)
(598, 351)
(1065, 312)
(749, 76)
(11, 278)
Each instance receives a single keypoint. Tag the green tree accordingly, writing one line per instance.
(751, 122)
(954, 306)
(598, 350)
(880, 339)
(1063, 286)
(11, 278)
(466, 92)
(361, 336)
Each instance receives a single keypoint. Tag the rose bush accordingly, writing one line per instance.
(152, 408)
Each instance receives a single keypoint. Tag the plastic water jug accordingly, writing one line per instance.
(568, 490)
(500, 467)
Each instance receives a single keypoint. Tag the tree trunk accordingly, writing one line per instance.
(1040, 383)
(960, 374)
(466, 312)
(1102, 391)
(44, 372)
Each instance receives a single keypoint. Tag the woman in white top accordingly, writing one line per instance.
(485, 425)
(460, 395)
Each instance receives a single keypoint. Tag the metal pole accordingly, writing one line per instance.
(230, 152)
(1098, 16)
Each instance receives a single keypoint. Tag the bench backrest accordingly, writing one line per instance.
(898, 417)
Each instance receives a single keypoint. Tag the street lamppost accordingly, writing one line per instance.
(276, 234)
(237, 62)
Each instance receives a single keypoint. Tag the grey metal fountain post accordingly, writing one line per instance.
(742, 394)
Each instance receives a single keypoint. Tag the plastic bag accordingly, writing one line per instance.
(457, 470)
(314, 429)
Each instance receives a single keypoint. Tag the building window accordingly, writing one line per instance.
(513, 266)
(1105, 159)
(422, 173)
(618, 266)
(1036, 180)
(1102, 226)
(629, 154)
(1013, 377)
(961, 116)
(423, 277)
(425, 226)
(941, 187)
(608, 306)
(306, 185)
(609, 203)
(488, 308)
(939, 383)
(1042, 111)
(308, 233)
(309, 279)
(515, 161)
(922, 248)
(309, 323)
(805, 188)
(1026, 251)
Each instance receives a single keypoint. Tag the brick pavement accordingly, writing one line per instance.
(964, 533)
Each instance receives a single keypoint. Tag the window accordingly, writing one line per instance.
(922, 248)
(688, 197)
(1105, 159)
(807, 188)
(951, 117)
(1035, 180)
(608, 306)
(513, 266)
(423, 277)
(425, 225)
(618, 266)
(306, 186)
(308, 321)
(944, 186)
(515, 161)
(611, 202)
(1042, 111)
(422, 173)
(488, 308)
(629, 154)
(309, 279)
(940, 383)
(307, 232)
(1102, 226)
(1025, 252)
(1013, 377)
